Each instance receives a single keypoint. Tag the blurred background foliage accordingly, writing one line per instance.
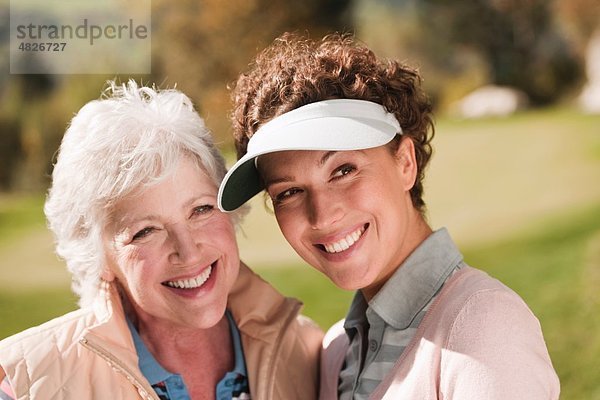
(536, 46)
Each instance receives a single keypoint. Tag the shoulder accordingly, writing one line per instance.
(47, 328)
(294, 360)
(474, 302)
(301, 340)
(52, 337)
(260, 311)
(27, 354)
(335, 336)
(281, 346)
(308, 330)
(471, 292)
(254, 302)
(335, 344)
(493, 342)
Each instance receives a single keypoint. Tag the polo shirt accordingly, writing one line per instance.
(170, 386)
(380, 330)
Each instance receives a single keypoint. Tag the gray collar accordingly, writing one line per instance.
(413, 284)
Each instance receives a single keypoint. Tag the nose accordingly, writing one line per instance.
(185, 249)
(324, 209)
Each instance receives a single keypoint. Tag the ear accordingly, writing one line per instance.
(407, 162)
(107, 274)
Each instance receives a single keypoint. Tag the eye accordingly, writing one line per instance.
(143, 233)
(343, 171)
(203, 209)
(286, 194)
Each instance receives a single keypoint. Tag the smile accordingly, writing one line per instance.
(344, 243)
(191, 283)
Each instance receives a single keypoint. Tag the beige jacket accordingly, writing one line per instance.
(89, 353)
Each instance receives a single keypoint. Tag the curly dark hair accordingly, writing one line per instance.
(295, 71)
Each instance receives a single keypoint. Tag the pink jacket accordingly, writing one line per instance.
(478, 340)
(89, 353)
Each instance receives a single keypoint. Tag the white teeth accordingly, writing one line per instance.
(345, 243)
(193, 282)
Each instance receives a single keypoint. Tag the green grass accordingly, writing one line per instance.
(548, 119)
(19, 214)
(22, 309)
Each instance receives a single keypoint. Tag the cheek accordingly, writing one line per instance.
(137, 264)
(375, 194)
(142, 257)
(221, 234)
(141, 273)
(290, 224)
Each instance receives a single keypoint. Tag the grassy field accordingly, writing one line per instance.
(520, 195)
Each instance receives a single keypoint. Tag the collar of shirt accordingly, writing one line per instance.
(155, 373)
(150, 368)
(240, 361)
(411, 286)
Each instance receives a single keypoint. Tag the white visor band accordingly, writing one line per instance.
(338, 125)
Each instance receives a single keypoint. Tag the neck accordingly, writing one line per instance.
(418, 232)
(201, 356)
(173, 340)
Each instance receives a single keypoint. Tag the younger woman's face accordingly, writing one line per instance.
(347, 213)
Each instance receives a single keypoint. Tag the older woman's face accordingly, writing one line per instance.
(173, 251)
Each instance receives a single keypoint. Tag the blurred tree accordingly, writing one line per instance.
(10, 149)
(20, 135)
(580, 18)
(395, 29)
(199, 45)
(519, 40)
(202, 46)
(34, 114)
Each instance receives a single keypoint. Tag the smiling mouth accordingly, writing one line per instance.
(344, 243)
(191, 283)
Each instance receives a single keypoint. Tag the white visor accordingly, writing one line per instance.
(329, 125)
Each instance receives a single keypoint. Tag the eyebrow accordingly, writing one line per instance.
(154, 217)
(282, 179)
(326, 157)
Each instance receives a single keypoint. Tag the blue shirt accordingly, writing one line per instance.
(169, 386)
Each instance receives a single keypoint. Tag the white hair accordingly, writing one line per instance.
(131, 138)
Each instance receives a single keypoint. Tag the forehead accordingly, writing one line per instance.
(269, 164)
(273, 165)
(175, 189)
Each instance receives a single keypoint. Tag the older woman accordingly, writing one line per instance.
(167, 309)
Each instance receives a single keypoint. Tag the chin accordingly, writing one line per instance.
(347, 282)
(204, 323)
(209, 318)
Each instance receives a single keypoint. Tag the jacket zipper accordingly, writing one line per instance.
(118, 366)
